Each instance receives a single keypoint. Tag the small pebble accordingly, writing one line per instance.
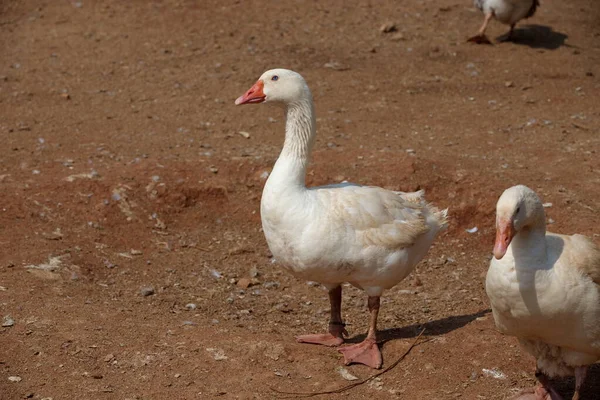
(218, 354)
(493, 373)
(8, 321)
(346, 374)
(190, 306)
(388, 27)
(15, 378)
(244, 283)
(147, 291)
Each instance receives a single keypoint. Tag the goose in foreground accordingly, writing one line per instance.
(508, 12)
(545, 290)
(367, 236)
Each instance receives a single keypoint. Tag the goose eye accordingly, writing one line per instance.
(275, 77)
(518, 209)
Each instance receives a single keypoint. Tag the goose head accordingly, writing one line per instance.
(278, 86)
(519, 208)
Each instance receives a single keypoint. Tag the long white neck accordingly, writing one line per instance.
(290, 168)
(529, 245)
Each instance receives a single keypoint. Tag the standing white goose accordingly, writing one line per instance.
(367, 236)
(508, 12)
(545, 290)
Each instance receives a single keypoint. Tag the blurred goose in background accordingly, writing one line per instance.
(508, 12)
(544, 289)
(367, 236)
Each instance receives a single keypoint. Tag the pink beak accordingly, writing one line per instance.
(253, 95)
(504, 235)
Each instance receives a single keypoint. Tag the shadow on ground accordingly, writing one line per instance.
(433, 328)
(536, 37)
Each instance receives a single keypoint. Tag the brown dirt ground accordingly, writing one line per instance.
(122, 162)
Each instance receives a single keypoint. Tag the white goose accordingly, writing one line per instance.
(508, 12)
(367, 236)
(545, 290)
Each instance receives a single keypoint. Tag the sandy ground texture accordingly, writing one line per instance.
(133, 265)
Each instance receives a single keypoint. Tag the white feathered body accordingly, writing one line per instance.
(508, 11)
(546, 300)
(367, 236)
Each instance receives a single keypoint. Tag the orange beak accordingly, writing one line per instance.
(253, 95)
(504, 235)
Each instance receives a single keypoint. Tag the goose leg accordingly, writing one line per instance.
(511, 32)
(546, 386)
(536, 393)
(367, 352)
(510, 35)
(480, 38)
(580, 373)
(543, 391)
(335, 337)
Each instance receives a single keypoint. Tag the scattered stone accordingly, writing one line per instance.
(147, 291)
(109, 357)
(346, 374)
(254, 272)
(7, 321)
(217, 354)
(494, 373)
(336, 66)
(53, 264)
(244, 283)
(190, 306)
(472, 230)
(274, 352)
(215, 274)
(15, 378)
(531, 122)
(135, 252)
(56, 235)
(376, 384)
(509, 84)
(91, 175)
(407, 291)
(396, 37)
(244, 134)
(388, 27)
(271, 285)
(547, 205)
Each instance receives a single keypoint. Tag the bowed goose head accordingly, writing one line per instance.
(367, 236)
(518, 209)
